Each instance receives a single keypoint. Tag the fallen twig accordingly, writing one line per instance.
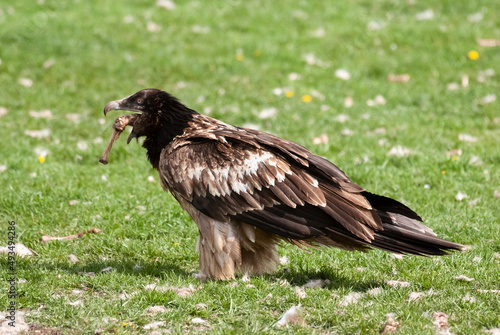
(47, 238)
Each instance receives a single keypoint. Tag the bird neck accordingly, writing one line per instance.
(171, 124)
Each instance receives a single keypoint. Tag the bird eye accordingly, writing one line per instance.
(139, 100)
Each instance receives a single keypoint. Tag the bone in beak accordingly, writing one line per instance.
(120, 123)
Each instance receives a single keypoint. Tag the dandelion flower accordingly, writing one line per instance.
(473, 54)
(240, 57)
(306, 98)
(289, 94)
(41, 158)
(257, 53)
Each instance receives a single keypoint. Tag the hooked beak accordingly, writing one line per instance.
(131, 136)
(112, 105)
(118, 105)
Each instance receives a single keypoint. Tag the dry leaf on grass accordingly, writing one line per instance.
(21, 327)
(467, 138)
(468, 298)
(268, 113)
(454, 152)
(76, 303)
(300, 292)
(390, 326)
(440, 320)
(476, 17)
(152, 310)
(167, 4)
(3, 111)
(351, 298)
(374, 291)
(488, 99)
(348, 102)
(154, 325)
(346, 132)
(317, 283)
(44, 114)
(397, 284)
(399, 151)
(318, 33)
(322, 139)
(153, 27)
(181, 292)
(341, 118)
(292, 316)
(43, 133)
(73, 117)
(379, 100)
(425, 15)
(20, 250)
(185, 291)
(460, 196)
(25, 82)
(72, 258)
(284, 260)
(416, 296)
(199, 321)
(465, 81)
(342, 74)
(463, 278)
(201, 306)
(398, 78)
(125, 296)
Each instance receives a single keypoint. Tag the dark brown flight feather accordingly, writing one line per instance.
(246, 190)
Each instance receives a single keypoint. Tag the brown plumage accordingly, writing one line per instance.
(248, 190)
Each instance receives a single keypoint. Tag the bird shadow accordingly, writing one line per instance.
(159, 269)
(335, 281)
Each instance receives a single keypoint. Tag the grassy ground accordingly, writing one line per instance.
(227, 58)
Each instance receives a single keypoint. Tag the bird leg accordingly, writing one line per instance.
(120, 123)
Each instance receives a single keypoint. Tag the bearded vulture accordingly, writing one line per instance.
(248, 190)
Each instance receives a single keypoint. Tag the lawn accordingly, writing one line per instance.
(287, 68)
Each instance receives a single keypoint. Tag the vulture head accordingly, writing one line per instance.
(157, 115)
(148, 104)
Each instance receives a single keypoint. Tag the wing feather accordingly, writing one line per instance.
(239, 175)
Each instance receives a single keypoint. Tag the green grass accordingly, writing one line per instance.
(98, 57)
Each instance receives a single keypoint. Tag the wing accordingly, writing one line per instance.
(276, 187)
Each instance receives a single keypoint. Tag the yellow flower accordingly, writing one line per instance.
(306, 98)
(443, 172)
(240, 57)
(454, 158)
(257, 53)
(41, 159)
(289, 94)
(124, 324)
(473, 54)
(176, 243)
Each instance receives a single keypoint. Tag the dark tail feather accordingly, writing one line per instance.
(403, 231)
